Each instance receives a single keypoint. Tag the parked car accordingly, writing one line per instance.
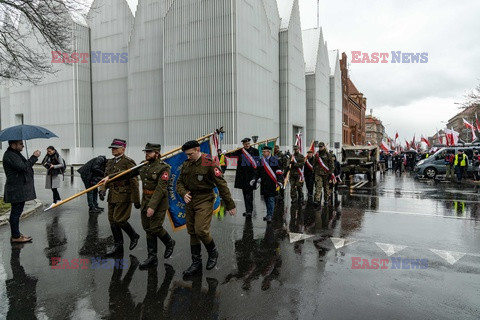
(360, 159)
(435, 164)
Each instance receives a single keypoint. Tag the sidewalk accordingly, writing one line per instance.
(30, 208)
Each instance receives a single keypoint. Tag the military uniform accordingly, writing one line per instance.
(283, 163)
(155, 176)
(121, 195)
(296, 176)
(199, 178)
(322, 175)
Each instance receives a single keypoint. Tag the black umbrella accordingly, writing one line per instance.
(26, 132)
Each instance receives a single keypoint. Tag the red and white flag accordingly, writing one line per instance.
(299, 142)
(384, 146)
(396, 136)
(426, 141)
(368, 143)
(408, 144)
(312, 146)
(477, 123)
(471, 127)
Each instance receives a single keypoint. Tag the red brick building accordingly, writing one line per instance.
(354, 105)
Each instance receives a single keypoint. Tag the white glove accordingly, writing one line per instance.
(252, 182)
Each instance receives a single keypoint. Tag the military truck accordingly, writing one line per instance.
(360, 159)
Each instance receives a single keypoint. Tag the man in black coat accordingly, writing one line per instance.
(271, 179)
(309, 174)
(19, 186)
(247, 163)
(92, 172)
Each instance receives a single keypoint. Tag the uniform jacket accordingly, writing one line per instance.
(267, 185)
(283, 161)
(306, 170)
(327, 160)
(19, 186)
(298, 165)
(121, 191)
(155, 177)
(94, 170)
(202, 176)
(245, 171)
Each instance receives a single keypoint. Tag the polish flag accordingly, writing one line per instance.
(368, 143)
(299, 142)
(477, 123)
(312, 146)
(408, 144)
(471, 127)
(384, 146)
(426, 141)
(396, 136)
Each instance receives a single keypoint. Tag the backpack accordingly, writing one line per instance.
(62, 169)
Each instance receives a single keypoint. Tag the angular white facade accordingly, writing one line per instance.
(336, 111)
(182, 69)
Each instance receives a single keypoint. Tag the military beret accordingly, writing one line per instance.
(190, 144)
(152, 147)
(295, 147)
(267, 148)
(309, 151)
(246, 140)
(118, 143)
(321, 144)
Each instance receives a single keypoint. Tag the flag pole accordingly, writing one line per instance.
(253, 144)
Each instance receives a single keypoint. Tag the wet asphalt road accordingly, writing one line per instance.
(261, 274)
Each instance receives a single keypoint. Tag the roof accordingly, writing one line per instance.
(285, 8)
(345, 147)
(351, 88)
(310, 39)
(333, 60)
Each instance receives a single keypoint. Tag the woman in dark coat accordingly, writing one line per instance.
(19, 186)
(53, 162)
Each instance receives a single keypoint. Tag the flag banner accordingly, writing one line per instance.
(270, 142)
(299, 141)
(176, 211)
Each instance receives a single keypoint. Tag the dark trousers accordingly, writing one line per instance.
(16, 212)
(92, 196)
(270, 202)
(309, 182)
(56, 195)
(248, 199)
(460, 172)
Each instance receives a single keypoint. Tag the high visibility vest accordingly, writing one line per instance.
(426, 156)
(463, 162)
(222, 160)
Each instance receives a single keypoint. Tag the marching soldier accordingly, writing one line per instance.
(120, 197)
(309, 174)
(155, 176)
(283, 163)
(323, 170)
(199, 176)
(296, 175)
(247, 162)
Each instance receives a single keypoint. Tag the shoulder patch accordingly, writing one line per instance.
(165, 176)
(217, 172)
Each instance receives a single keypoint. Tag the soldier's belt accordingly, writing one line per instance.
(121, 183)
(148, 192)
(201, 192)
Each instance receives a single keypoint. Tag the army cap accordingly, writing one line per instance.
(152, 147)
(309, 151)
(246, 140)
(267, 148)
(118, 143)
(190, 145)
(295, 147)
(321, 144)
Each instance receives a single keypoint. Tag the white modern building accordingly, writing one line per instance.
(176, 70)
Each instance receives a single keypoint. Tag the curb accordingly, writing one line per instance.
(33, 207)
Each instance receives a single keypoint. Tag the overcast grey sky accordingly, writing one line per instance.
(410, 98)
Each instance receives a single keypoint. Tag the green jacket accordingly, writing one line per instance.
(298, 165)
(202, 176)
(327, 159)
(121, 190)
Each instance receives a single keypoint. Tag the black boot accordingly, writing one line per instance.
(212, 255)
(169, 245)
(132, 234)
(151, 260)
(117, 239)
(196, 267)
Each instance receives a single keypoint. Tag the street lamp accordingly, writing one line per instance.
(254, 138)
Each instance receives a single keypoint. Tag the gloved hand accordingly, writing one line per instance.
(101, 195)
(281, 185)
(252, 182)
(137, 205)
(332, 177)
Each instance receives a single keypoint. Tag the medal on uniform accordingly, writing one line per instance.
(200, 177)
(154, 176)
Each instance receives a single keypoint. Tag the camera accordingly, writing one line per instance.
(47, 165)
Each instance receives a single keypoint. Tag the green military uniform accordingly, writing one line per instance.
(296, 178)
(199, 178)
(121, 194)
(322, 175)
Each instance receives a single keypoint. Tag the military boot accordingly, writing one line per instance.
(151, 260)
(169, 245)
(212, 255)
(132, 234)
(117, 240)
(196, 267)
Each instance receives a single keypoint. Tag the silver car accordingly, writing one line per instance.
(435, 164)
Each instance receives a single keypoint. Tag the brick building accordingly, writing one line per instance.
(354, 105)
(374, 130)
(456, 122)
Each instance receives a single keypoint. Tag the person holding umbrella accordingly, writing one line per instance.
(53, 162)
(19, 185)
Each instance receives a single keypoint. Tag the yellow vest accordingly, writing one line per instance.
(463, 162)
(222, 160)
(426, 156)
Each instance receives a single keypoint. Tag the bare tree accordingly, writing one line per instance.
(472, 98)
(29, 31)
